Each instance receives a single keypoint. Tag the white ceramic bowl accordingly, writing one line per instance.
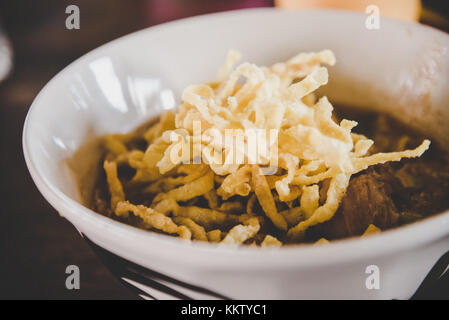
(401, 68)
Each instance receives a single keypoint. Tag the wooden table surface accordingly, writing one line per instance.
(36, 244)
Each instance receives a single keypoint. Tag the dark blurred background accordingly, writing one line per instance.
(36, 244)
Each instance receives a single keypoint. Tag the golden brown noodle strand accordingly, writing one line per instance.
(323, 56)
(293, 216)
(324, 213)
(135, 158)
(190, 168)
(153, 219)
(184, 233)
(265, 198)
(271, 180)
(310, 200)
(309, 99)
(309, 143)
(271, 241)
(115, 186)
(363, 163)
(322, 241)
(153, 155)
(166, 206)
(307, 180)
(190, 190)
(282, 187)
(214, 235)
(236, 183)
(248, 93)
(311, 167)
(219, 179)
(324, 121)
(178, 152)
(149, 134)
(166, 122)
(232, 58)
(198, 231)
(192, 202)
(362, 146)
(231, 207)
(313, 81)
(192, 171)
(212, 199)
(206, 111)
(168, 183)
(295, 192)
(119, 159)
(208, 218)
(187, 116)
(357, 137)
(240, 233)
(250, 205)
(301, 65)
(156, 186)
(253, 74)
(114, 144)
(372, 229)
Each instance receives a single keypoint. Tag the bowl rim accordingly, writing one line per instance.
(196, 253)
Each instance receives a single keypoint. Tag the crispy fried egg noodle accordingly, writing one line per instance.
(311, 151)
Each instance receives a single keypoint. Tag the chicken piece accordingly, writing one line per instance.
(367, 201)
